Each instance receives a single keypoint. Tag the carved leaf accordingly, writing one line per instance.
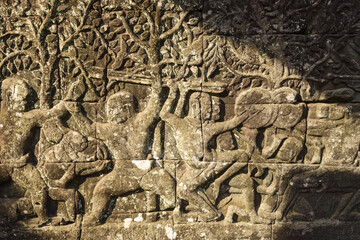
(96, 44)
(27, 61)
(118, 62)
(211, 70)
(101, 52)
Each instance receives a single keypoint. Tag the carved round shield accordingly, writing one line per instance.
(256, 103)
(289, 115)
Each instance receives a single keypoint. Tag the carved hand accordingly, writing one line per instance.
(184, 87)
(72, 107)
(57, 183)
(173, 88)
(76, 90)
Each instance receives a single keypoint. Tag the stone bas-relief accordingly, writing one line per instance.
(174, 119)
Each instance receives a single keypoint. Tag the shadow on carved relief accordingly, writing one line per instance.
(143, 111)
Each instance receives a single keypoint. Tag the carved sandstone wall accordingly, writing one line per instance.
(179, 119)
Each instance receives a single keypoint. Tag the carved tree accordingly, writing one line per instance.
(153, 41)
(38, 35)
(241, 64)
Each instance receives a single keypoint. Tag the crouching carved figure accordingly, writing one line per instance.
(71, 155)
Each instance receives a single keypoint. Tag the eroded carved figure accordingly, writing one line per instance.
(127, 134)
(19, 129)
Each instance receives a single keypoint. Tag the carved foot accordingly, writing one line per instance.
(279, 216)
(213, 192)
(177, 214)
(353, 216)
(90, 220)
(57, 221)
(43, 223)
(209, 217)
(254, 218)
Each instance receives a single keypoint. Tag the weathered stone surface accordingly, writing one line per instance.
(131, 229)
(321, 230)
(179, 119)
(228, 231)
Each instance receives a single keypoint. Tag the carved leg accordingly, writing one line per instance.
(236, 167)
(232, 210)
(29, 177)
(4, 175)
(69, 196)
(38, 201)
(249, 196)
(250, 136)
(111, 185)
(161, 182)
(188, 190)
(272, 142)
(287, 200)
(315, 150)
(346, 205)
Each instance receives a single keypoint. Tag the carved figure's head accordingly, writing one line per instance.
(75, 141)
(194, 105)
(201, 104)
(216, 105)
(225, 142)
(120, 107)
(54, 130)
(16, 93)
(205, 103)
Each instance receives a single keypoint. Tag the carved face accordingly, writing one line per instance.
(200, 104)
(206, 113)
(194, 105)
(77, 141)
(17, 96)
(225, 142)
(215, 109)
(120, 107)
(53, 130)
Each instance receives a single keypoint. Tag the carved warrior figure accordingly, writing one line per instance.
(243, 188)
(278, 112)
(283, 141)
(328, 127)
(18, 126)
(241, 201)
(71, 155)
(193, 135)
(127, 135)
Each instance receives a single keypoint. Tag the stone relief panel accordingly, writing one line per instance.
(152, 119)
